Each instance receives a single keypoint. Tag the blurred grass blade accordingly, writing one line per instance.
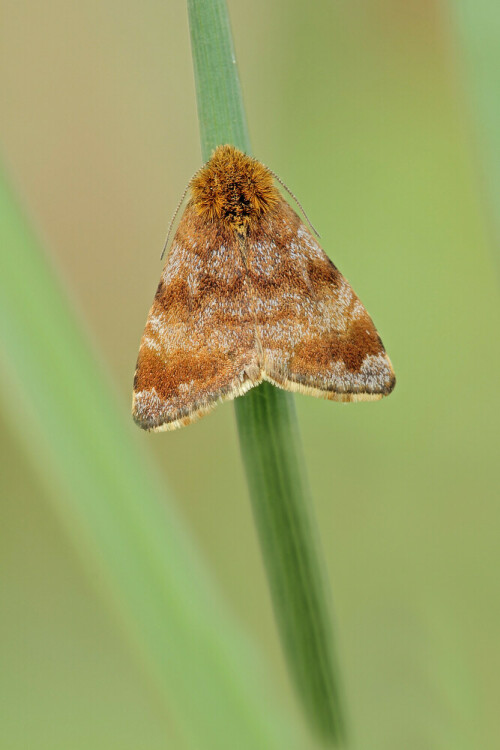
(268, 430)
(113, 504)
(478, 26)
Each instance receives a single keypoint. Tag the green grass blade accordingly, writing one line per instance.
(478, 27)
(218, 93)
(281, 503)
(268, 430)
(118, 512)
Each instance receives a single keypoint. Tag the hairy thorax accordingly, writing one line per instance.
(234, 189)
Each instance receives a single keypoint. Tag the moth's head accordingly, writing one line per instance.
(234, 189)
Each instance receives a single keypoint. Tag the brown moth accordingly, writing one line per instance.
(247, 295)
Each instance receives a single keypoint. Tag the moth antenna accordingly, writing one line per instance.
(294, 197)
(172, 220)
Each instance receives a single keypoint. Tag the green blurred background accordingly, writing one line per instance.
(368, 111)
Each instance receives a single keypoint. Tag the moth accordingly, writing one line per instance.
(246, 295)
